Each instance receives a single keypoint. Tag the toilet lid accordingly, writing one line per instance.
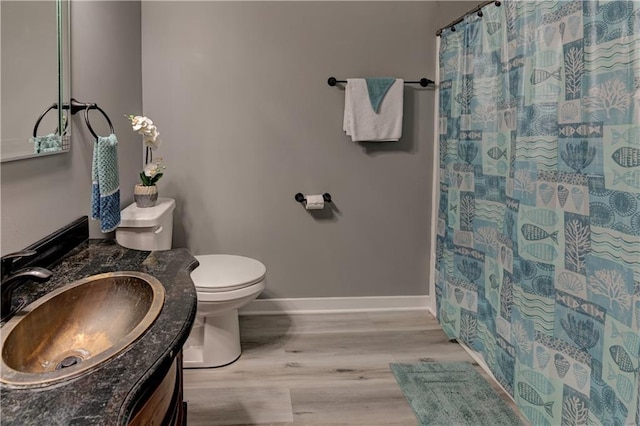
(224, 272)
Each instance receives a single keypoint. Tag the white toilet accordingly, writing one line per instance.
(223, 284)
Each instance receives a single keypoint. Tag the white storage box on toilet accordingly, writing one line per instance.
(148, 228)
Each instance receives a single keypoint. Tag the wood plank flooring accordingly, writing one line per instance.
(319, 369)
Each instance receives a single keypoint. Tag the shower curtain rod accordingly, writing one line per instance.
(460, 19)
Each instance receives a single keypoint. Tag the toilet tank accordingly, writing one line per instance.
(148, 228)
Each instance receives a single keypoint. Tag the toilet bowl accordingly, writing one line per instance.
(223, 284)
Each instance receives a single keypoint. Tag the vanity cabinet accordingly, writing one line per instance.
(142, 385)
(163, 405)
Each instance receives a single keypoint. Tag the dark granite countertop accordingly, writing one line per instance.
(108, 395)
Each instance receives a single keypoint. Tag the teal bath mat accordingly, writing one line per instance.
(452, 393)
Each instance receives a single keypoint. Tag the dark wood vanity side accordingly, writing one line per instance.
(163, 404)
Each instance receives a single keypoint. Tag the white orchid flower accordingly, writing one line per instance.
(152, 133)
(140, 123)
(150, 139)
(152, 144)
(151, 169)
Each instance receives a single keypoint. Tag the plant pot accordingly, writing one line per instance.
(145, 196)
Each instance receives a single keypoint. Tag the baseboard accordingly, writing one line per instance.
(329, 305)
(432, 310)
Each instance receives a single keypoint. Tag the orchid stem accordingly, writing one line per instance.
(148, 156)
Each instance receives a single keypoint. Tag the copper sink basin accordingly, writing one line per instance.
(76, 328)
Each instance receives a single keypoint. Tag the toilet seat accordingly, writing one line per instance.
(223, 273)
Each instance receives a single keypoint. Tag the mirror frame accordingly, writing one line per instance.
(63, 50)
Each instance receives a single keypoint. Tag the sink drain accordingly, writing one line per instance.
(69, 361)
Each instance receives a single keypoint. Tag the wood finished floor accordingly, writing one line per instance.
(319, 369)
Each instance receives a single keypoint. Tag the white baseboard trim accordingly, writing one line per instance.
(432, 311)
(330, 305)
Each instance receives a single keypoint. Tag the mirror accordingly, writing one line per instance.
(35, 78)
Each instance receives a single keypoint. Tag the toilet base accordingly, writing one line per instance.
(214, 341)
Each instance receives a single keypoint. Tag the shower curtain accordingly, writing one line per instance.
(538, 231)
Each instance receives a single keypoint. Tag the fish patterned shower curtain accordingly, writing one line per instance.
(538, 235)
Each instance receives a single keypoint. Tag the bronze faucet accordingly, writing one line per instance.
(11, 280)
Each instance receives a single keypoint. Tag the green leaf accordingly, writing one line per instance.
(145, 179)
(156, 178)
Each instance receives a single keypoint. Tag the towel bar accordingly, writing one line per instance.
(424, 82)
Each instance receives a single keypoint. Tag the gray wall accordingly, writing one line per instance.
(41, 195)
(239, 94)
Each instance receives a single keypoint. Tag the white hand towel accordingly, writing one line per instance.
(362, 123)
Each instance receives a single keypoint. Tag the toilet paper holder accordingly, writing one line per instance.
(301, 199)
